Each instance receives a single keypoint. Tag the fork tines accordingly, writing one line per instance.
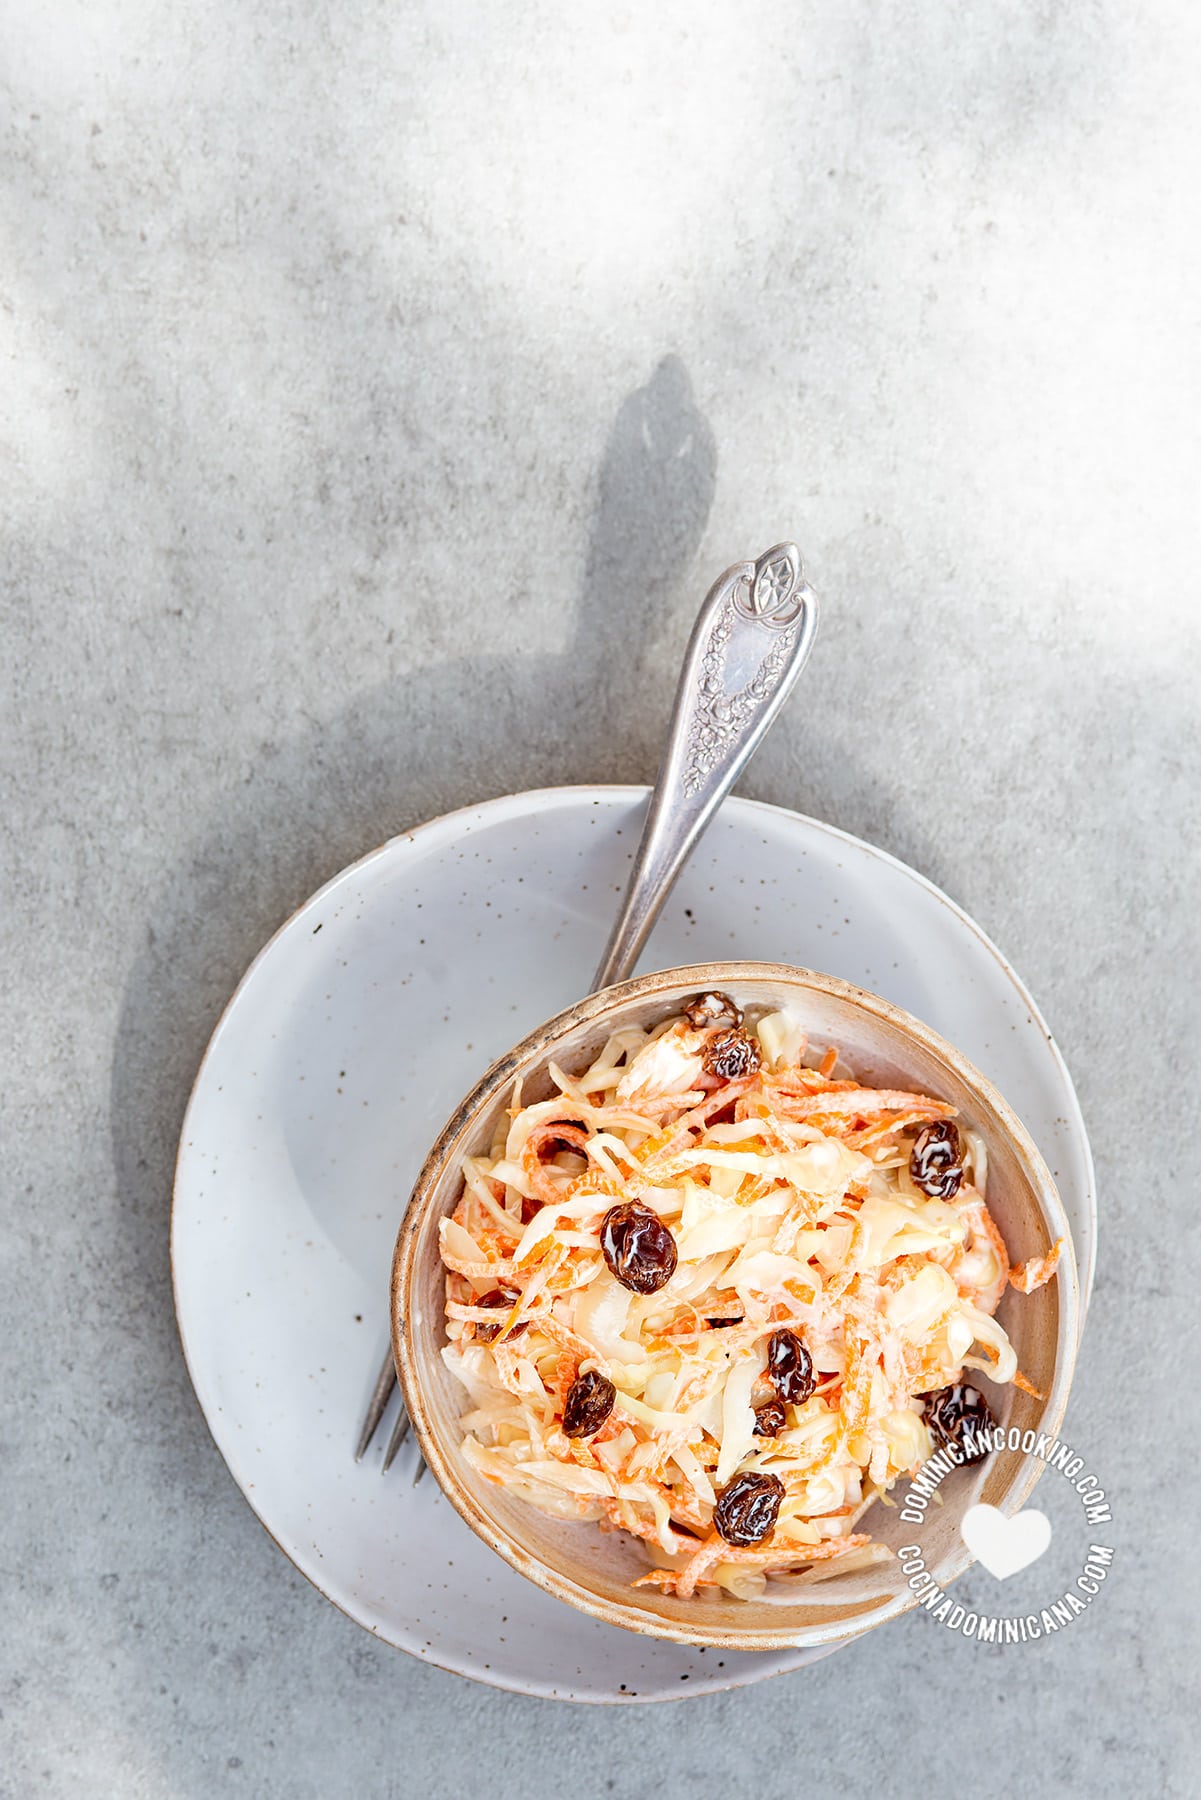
(378, 1406)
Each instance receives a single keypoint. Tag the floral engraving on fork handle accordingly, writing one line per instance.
(771, 593)
(721, 716)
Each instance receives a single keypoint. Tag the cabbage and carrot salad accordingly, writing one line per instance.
(722, 1299)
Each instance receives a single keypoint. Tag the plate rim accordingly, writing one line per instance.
(532, 799)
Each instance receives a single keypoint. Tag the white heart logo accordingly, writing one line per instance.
(1003, 1545)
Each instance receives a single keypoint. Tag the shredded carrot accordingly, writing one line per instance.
(1036, 1271)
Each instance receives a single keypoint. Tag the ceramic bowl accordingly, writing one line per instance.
(593, 1570)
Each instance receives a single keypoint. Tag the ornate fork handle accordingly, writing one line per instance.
(748, 646)
(750, 642)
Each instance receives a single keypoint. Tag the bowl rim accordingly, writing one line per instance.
(538, 1044)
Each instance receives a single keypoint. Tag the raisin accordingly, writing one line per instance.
(952, 1412)
(731, 1054)
(934, 1161)
(498, 1297)
(770, 1419)
(723, 1324)
(709, 1009)
(748, 1508)
(790, 1367)
(589, 1402)
(638, 1247)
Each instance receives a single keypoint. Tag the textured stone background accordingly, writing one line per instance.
(382, 386)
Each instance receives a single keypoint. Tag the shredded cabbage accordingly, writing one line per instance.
(789, 1198)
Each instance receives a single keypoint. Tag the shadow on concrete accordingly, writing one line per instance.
(403, 751)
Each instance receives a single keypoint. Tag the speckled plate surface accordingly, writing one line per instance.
(348, 1043)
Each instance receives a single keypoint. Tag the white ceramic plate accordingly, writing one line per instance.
(347, 1045)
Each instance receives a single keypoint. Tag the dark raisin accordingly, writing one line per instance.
(722, 1324)
(770, 1419)
(954, 1413)
(709, 1009)
(934, 1161)
(503, 1296)
(638, 1247)
(790, 1367)
(731, 1054)
(589, 1402)
(748, 1508)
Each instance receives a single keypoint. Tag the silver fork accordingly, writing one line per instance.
(385, 1381)
(751, 640)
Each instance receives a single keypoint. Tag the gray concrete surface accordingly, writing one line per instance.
(382, 386)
